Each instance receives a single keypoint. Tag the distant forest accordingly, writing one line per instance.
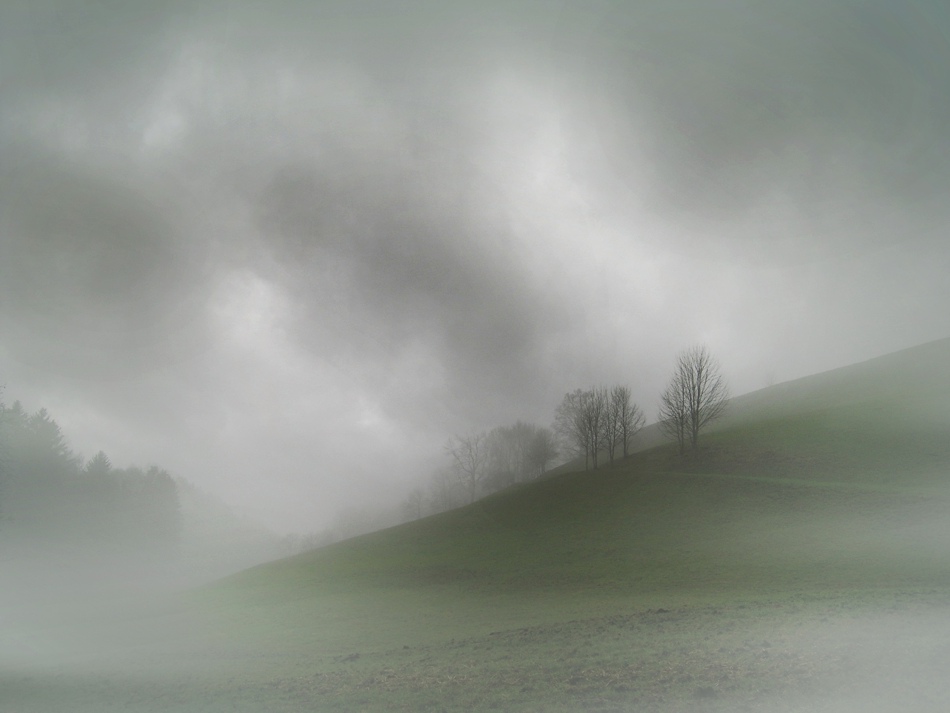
(59, 509)
(51, 499)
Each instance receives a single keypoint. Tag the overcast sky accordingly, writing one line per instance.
(285, 249)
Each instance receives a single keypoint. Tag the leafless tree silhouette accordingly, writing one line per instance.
(697, 394)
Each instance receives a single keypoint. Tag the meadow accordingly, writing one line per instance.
(799, 561)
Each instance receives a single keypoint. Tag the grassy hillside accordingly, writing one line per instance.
(800, 560)
(897, 399)
(883, 422)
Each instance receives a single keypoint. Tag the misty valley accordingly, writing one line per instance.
(542, 356)
(797, 559)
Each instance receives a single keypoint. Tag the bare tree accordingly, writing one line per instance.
(627, 417)
(595, 412)
(673, 411)
(521, 435)
(502, 457)
(413, 506)
(542, 451)
(511, 454)
(470, 459)
(696, 395)
(443, 491)
(580, 422)
(569, 425)
(611, 429)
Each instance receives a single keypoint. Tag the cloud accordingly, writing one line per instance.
(91, 265)
(745, 115)
(240, 238)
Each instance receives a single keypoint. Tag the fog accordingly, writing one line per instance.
(285, 252)
(85, 635)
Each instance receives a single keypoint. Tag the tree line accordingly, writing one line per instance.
(598, 421)
(591, 424)
(586, 423)
(51, 497)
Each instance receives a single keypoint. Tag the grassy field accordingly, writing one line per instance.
(801, 561)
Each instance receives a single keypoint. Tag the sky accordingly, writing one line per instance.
(286, 249)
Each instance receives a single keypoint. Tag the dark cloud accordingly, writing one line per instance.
(838, 109)
(388, 262)
(93, 265)
(331, 228)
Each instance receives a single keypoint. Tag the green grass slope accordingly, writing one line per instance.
(831, 488)
(915, 379)
(585, 541)
(799, 561)
(883, 422)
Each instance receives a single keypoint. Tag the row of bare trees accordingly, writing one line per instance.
(501, 457)
(592, 423)
(597, 421)
(588, 423)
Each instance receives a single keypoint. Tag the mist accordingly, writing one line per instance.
(293, 250)
(92, 633)
(274, 258)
